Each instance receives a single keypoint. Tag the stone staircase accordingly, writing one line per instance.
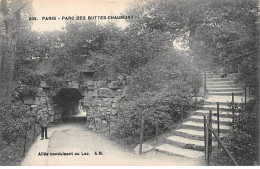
(188, 140)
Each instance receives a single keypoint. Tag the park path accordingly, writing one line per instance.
(75, 138)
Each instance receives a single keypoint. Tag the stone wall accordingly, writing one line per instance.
(102, 99)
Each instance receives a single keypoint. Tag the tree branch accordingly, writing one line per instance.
(21, 5)
(3, 7)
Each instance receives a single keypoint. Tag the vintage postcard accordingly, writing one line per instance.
(129, 83)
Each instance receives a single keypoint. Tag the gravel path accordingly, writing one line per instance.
(68, 139)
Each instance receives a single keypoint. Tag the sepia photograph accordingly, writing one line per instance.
(129, 83)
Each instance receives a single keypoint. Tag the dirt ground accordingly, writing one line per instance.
(73, 145)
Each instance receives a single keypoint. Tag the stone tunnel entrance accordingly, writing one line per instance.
(68, 104)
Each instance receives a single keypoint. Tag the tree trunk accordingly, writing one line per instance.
(12, 23)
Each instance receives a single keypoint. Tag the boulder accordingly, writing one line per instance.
(106, 102)
(113, 112)
(103, 110)
(41, 93)
(115, 105)
(84, 84)
(113, 118)
(101, 84)
(128, 80)
(91, 93)
(89, 84)
(119, 92)
(85, 92)
(117, 99)
(73, 84)
(106, 93)
(43, 84)
(29, 101)
(121, 78)
(97, 103)
(115, 85)
(112, 75)
(145, 148)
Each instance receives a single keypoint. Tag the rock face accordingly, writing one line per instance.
(101, 97)
(103, 100)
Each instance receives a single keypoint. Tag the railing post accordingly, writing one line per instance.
(205, 135)
(124, 130)
(210, 134)
(196, 100)
(181, 113)
(225, 68)
(245, 94)
(233, 111)
(95, 124)
(25, 140)
(109, 129)
(141, 135)
(207, 142)
(34, 129)
(224, 147)
(218, 120)
(157, 132)
(205, 84)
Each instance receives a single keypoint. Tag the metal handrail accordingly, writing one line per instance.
(213, 61)
(222, 144)
(208, 131)
(233, 59)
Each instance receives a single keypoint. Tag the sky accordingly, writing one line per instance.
(66, 8)
(59, 8)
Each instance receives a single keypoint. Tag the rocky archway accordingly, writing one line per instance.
(67, 102)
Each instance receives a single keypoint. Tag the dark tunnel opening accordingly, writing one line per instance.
(67, 102)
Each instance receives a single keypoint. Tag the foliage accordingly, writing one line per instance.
(161, 79)
(119, 50)
(138, 46)
(14, 118)
(158, 91)
(214, 30)
(243, 139)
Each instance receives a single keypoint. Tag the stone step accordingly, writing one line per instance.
(214, 107)
(187, 143)
(200, 126)
(208, 103)
(236, 93)
(223, 120)
(224, 99)
(215, 103)
(220, 83)
(211, 73)
(212, 76)
(178, 151)
(214, 113)
(182, 141)
(214, 79)
(227, 89)
(192, 134)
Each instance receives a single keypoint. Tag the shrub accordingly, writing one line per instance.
(158, 90)
(14, 118)
(242, 139)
